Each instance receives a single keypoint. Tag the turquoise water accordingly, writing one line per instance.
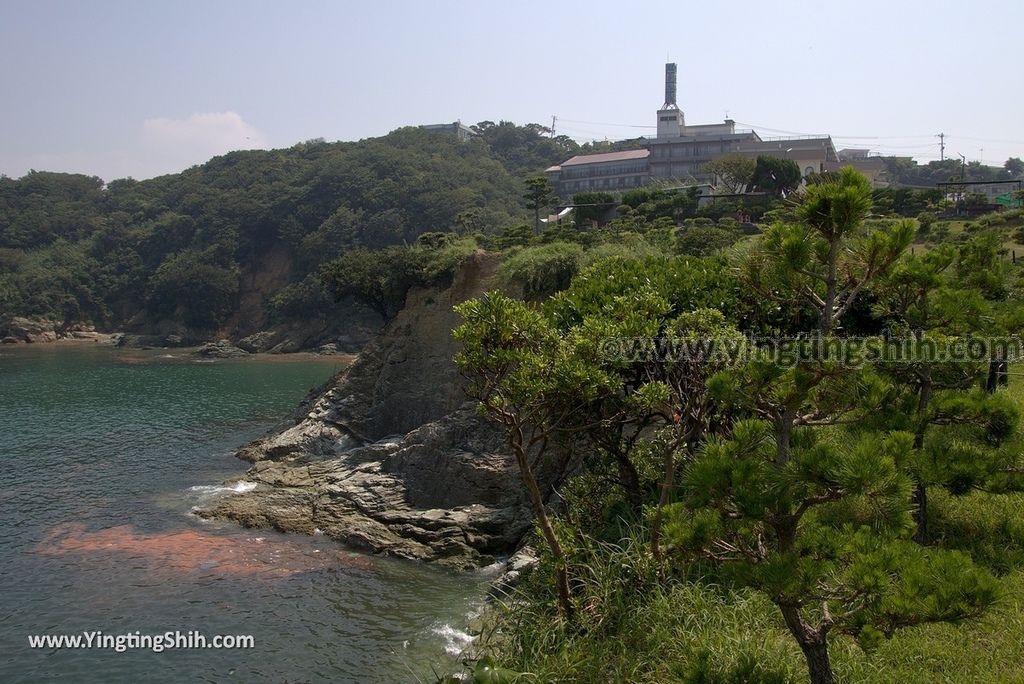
(103, 453)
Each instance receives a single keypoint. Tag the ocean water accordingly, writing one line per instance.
(103, 453)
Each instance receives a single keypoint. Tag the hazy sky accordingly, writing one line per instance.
(144, 87)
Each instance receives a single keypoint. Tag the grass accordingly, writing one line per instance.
(631, 628)
(691, 632)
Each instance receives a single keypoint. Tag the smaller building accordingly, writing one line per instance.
(456, 128)
(871, 165)
(605, 172)
(813, 154)
(851, 153)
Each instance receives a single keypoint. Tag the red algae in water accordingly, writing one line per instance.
(195, 551)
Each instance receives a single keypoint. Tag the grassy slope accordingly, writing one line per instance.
(1011, 221)
(695, 633)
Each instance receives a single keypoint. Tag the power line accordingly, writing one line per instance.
(605, 123)
(772, 130)
(901, 147)
(993, 140)
(879, 137)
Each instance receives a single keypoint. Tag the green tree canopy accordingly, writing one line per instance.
(775, 176)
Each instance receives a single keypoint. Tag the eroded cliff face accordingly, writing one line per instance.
(391, 457)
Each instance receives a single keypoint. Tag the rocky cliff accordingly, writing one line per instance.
(390, 457)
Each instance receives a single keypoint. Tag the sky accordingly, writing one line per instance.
(141, 88)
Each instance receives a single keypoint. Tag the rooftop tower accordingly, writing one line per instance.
(670, 118)
(670, 86)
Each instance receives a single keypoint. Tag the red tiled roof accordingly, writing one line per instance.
(606, 157)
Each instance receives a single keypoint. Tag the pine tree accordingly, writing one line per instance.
(954, 428)
(827, 258)
(539, 195)
(817, 524)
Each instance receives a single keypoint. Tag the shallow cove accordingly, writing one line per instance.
(105, 451)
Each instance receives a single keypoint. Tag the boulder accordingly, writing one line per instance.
(92, 336)
(517, 566)
(258, 342)
(221, 349)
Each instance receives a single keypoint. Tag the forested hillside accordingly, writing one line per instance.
(195, 247)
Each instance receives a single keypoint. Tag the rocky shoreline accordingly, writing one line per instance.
(20, 330)
(346, 335)
(435, 494)
(390, 457)
(83, 335)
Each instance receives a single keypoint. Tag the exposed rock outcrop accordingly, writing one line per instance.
(517, 566)
(40, 331)
(444, 492)
(258, 342)
(352, 326)
(33, 330)
(390, 457)
(221, 349)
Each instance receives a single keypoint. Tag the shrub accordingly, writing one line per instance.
(925, 220)
(543, 270)
(381, 279)
(941, 233)
(705, 240)
(628, 246)
(304, 299)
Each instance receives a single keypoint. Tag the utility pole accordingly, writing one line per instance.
(963, 170)
(554, 119)
(942, 146)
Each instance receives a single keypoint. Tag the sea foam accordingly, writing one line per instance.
(455, 640)
(240, 487)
